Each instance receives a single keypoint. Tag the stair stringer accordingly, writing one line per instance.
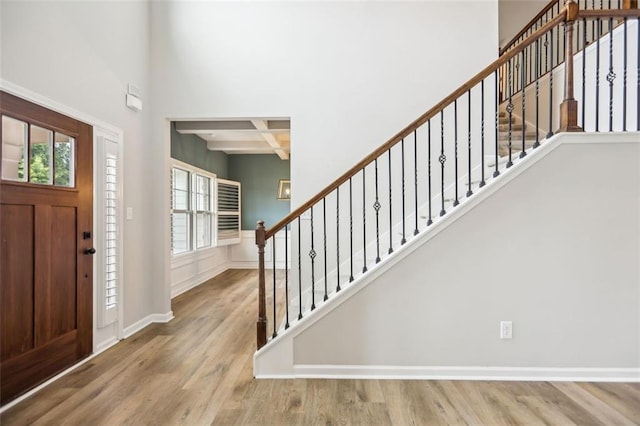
(276, 359)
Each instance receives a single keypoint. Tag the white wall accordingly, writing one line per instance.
(82, 55)
(555, 250)
(349, 74)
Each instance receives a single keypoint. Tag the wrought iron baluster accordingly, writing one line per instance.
(390, 206)
(312, 255)
(324, 235)
(404, 215)
(469, 191)
(273, 244)
(584, 71)
(537, 77)
(496, 172)
(415, 180)
(286, 276)
(442, 159)
(510, 119)
(299, 269)
(364, 222)
(597, 104)
(524, 127)
(455, 148)
(338, 238)
(482, 182)
(350, 230)
(611, 76)
(624, 77)
(376, 207)
(429, 220)
(550, 133)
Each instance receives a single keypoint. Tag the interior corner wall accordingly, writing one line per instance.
(83, 55)
(349, 74)
(260, 176)
(193, 150)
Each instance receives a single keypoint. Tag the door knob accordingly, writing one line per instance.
(90, 251)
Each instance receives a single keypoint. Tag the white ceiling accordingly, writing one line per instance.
(242, 135)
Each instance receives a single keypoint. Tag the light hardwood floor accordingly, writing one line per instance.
(197, 370)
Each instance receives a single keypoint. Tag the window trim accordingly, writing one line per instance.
(192, 211)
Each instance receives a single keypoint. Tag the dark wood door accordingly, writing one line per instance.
(46, 198)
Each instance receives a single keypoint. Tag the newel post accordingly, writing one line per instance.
(630, 4)
(261, 325)
(569, 106)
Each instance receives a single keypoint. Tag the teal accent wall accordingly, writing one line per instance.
(259, 175)
(193, 150)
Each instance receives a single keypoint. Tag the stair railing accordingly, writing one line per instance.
(551, 50)
(420, 174)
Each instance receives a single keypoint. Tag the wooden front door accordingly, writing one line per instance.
(46, 199)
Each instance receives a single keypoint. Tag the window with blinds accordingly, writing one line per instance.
(108, 238)
(228, 209)
(205, 210)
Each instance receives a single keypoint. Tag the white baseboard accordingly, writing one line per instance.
(150, 319)
(103, 346)
(465, 373)
(186, 285)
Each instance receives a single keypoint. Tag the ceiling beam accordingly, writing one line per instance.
(263, 126)
(238, 145)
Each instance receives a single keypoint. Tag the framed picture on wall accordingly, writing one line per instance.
(284, 189)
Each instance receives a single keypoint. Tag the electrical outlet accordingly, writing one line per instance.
(506, 330)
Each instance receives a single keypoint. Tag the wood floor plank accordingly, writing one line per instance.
(198, 370)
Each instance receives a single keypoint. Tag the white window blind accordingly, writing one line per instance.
(108, 242)
(228, 212)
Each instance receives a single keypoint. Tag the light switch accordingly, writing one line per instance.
(129, 213)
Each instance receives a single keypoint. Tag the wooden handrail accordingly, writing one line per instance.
(609, 13)
(417, 123)
(526, 28)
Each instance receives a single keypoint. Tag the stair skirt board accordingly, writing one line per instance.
(550, 374)
(275, 359)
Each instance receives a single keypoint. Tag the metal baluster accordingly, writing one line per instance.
(496, 172)
(597, 104)
(523, 152)
(510, 118)
(611, 76)
(593, 22)
(469, 191)
(312, 255)
(364, 222)
(299, 270)
(537, 76)
(557, 39)
(324, 235)
(546, 52)
(429, 220)
(584, 72)
(286, 276)
(376, 207)
(550, 133)
(442, 160)
(482, 182)
(275, 333)
(415, 180)
(455, 147)
(350, 230)
(390, 207)
(624, 77)
(403, 240)
(338, 238)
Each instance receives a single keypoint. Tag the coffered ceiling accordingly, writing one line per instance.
(242, 135)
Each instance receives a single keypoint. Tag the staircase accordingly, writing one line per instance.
(425, 178)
